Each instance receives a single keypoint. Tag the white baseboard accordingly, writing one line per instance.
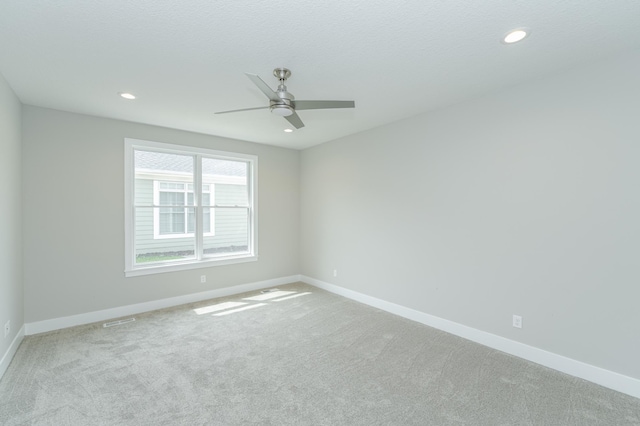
(8, 355)
(107, 314)
(600, 376)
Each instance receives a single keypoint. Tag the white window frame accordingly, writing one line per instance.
(200, 261)
(156, 212)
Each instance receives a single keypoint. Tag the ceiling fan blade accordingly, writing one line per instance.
(240, 110)
(294, 119)
(300, 105)
(264, 87)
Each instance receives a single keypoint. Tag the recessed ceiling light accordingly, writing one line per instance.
(516, 35)
(127, 95)
(288, 130)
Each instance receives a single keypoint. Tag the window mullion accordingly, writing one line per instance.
(197, 196)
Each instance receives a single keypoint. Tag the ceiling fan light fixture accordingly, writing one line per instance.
(288, 130)
(282, 110)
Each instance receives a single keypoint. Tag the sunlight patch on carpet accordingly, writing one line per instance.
(270, 295)
(218, 307)
(233, 311)
(291, 297)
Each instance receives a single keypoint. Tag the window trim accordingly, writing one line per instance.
(131, 269)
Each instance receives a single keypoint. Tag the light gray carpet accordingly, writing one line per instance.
(314, 359)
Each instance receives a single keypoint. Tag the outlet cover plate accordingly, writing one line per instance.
(517, 321)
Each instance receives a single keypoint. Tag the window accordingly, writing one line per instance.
(187, 207)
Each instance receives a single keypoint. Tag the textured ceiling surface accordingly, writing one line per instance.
(186, 60)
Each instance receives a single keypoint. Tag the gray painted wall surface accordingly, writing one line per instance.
(523, 202)
(11, 294)
(74, 179)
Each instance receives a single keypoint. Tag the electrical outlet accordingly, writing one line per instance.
(335, 272)
(517, 321)
(203, 278)
(7, 328)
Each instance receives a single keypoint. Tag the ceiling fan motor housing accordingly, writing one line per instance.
(281, 110)
(284, 107)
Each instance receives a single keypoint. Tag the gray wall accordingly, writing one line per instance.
(74, 216)
(523, 202)
(11, 294)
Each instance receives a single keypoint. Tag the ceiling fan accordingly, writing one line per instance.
(283, 103)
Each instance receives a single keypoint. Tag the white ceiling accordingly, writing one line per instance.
(186, 60)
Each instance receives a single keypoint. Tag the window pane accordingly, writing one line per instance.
(171, 198)
(231, 195)
(148, 249)
(206, 219)
(206, 213)
(231, 232)
(172, 186)
(171, 220)
(168, 168)
(191, 221)
(227, 173)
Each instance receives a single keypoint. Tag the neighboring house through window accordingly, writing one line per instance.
(187, 207)
(178, 222)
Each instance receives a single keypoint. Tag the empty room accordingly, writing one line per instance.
(320, 213)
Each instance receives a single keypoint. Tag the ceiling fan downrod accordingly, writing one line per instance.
(284, 108)
(283, 74)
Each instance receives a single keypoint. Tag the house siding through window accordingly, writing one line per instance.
(230, 225)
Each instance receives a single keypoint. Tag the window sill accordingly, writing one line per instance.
(189, 264)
